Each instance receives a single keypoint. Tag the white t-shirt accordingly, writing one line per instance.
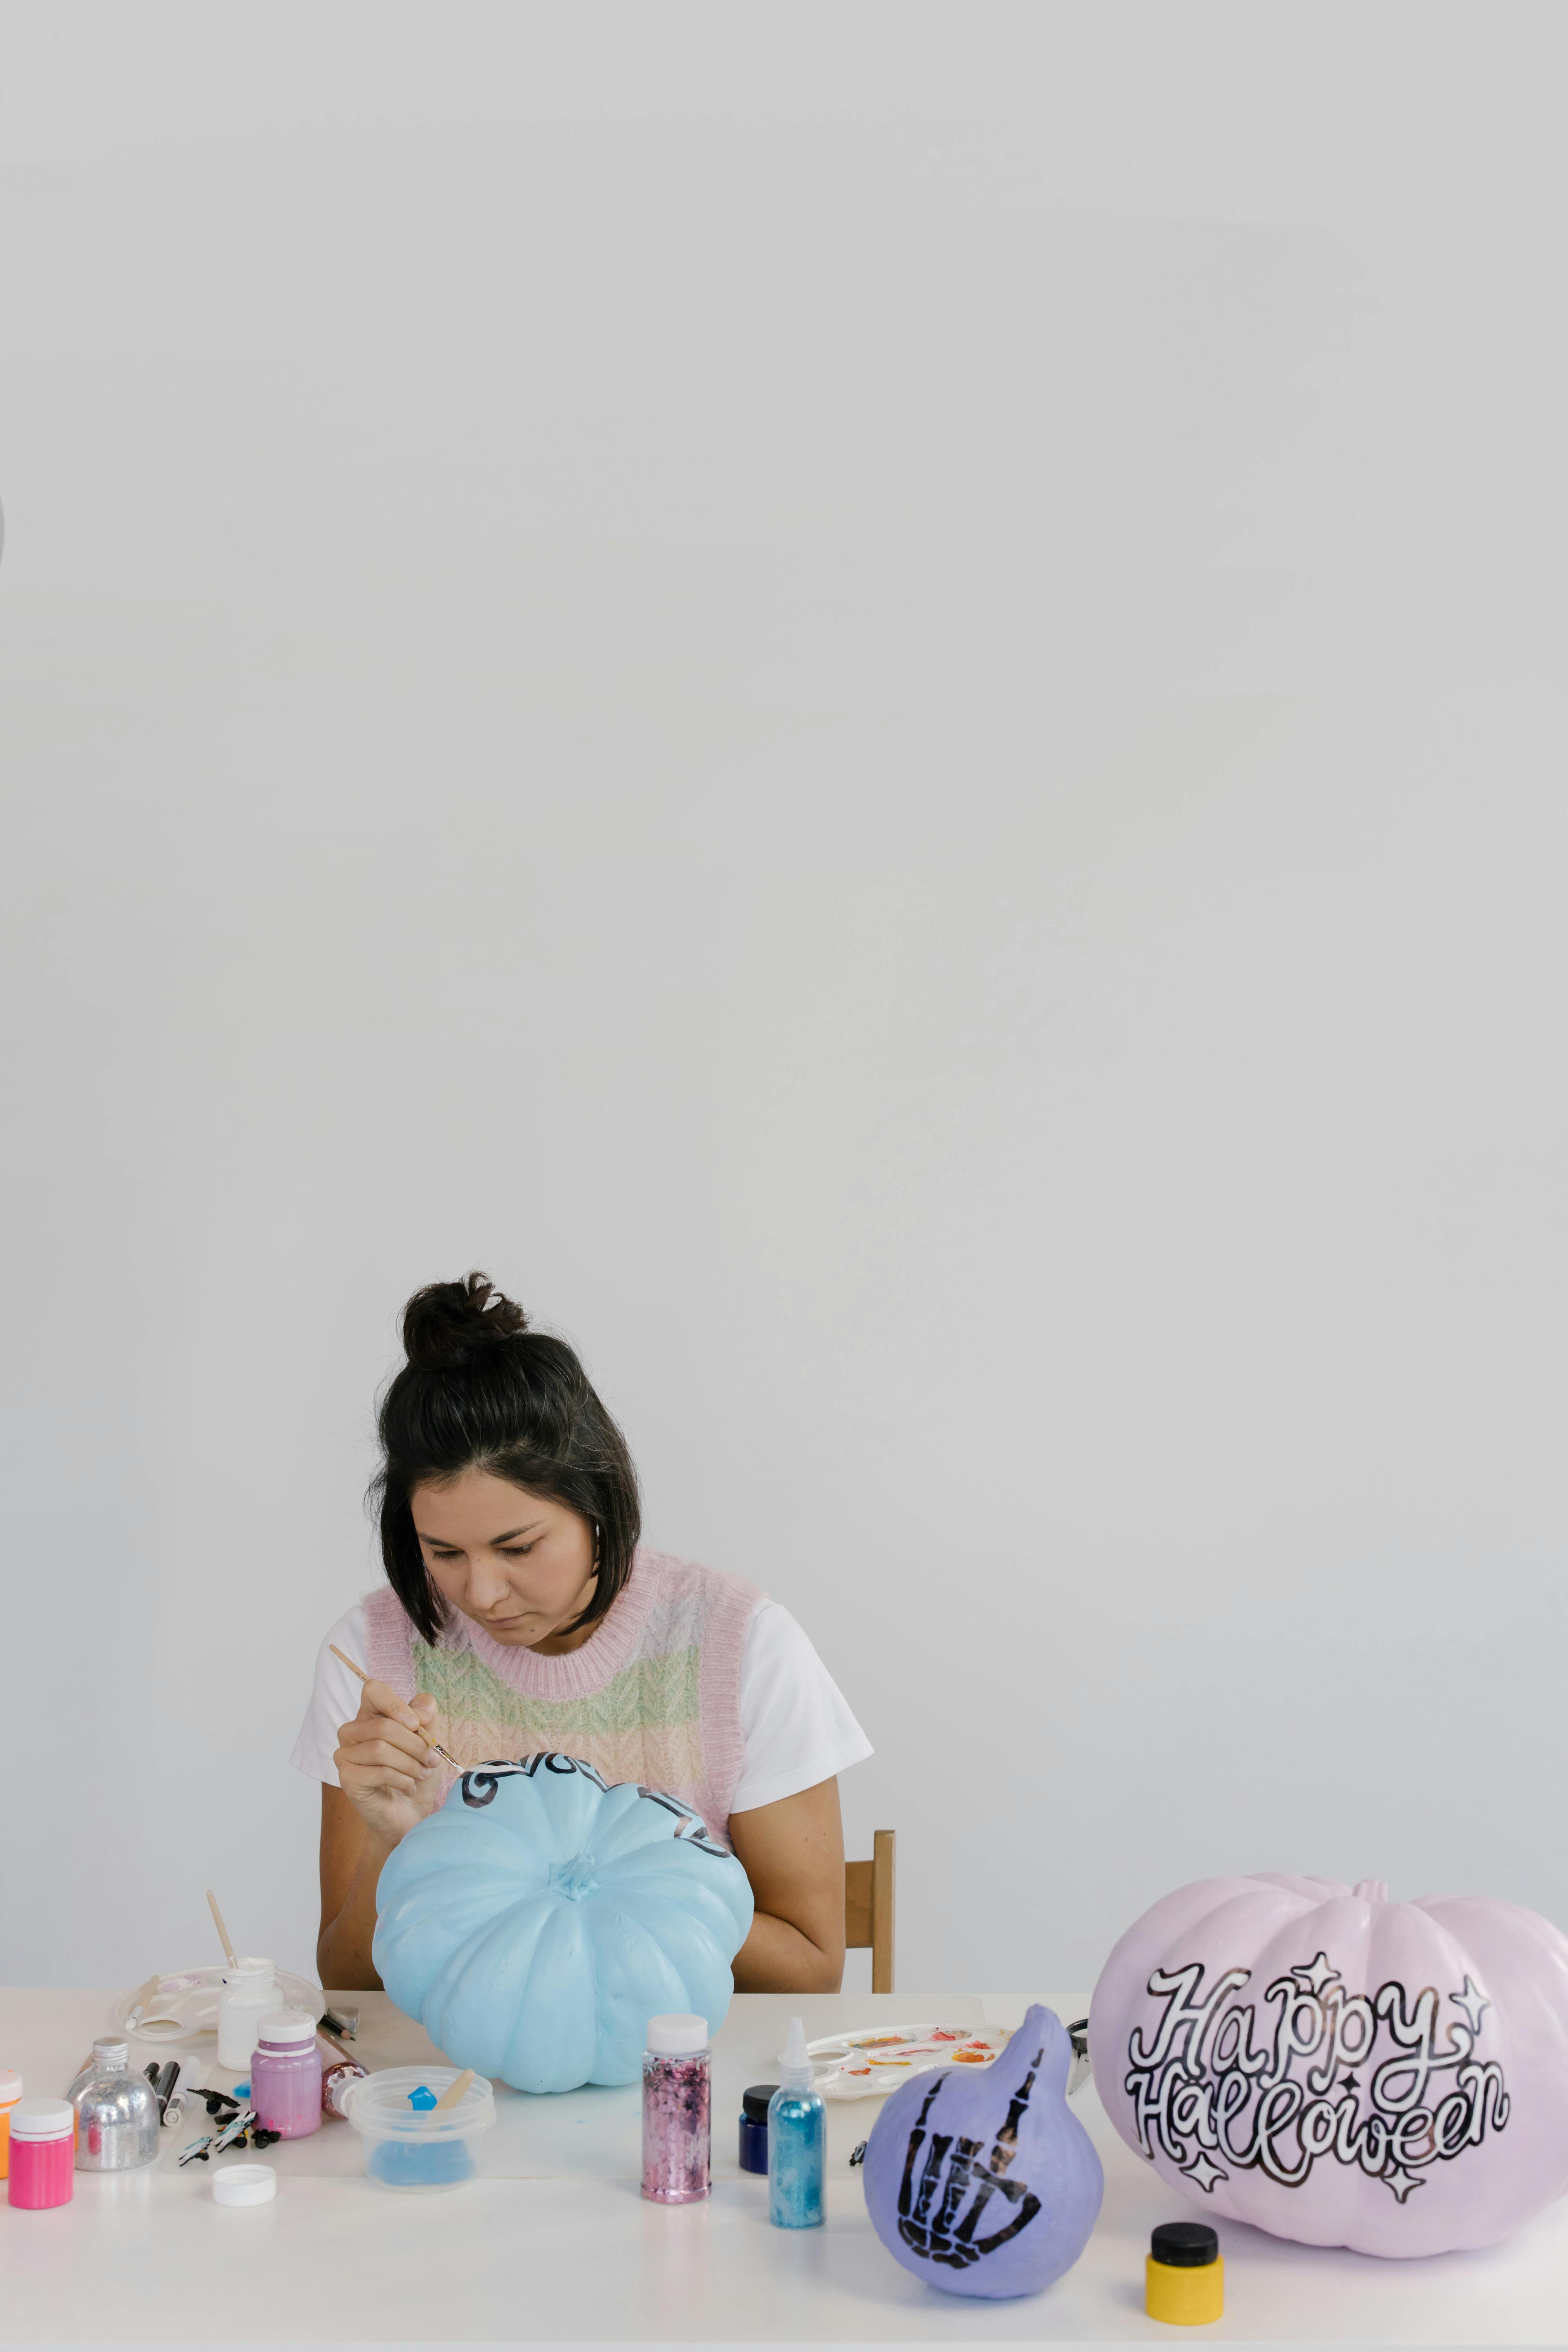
(796, 1725)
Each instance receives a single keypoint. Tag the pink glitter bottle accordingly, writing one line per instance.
(677, 2140)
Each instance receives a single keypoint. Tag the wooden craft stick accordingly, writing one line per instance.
(433, 1745)
(453, 2091)
(222, 1930)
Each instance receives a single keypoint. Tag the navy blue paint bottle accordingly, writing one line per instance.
(754, 2126)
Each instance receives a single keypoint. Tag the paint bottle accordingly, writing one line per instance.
(249, 1991)
(10, 2092)
(1184, 2280)
(117, 2117)
(285, 2074)
(797, 2140)
(337, 2079)
(676, 2130)
(754, 2126)
(42, 2133)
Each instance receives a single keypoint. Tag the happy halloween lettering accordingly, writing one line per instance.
(1362, 2079)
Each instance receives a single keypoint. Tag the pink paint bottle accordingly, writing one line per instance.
(43, 2153)
(285, 2074)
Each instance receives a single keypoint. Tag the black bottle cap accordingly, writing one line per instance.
(755, 2102)
(1185, 2245)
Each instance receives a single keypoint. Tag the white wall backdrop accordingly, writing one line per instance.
(871, 696)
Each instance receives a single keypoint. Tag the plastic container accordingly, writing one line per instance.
(414, 2149)
(285, 2074)
(249, 1991)
(1183, 2278)
(10, 2092)
(797, 2140)
(754, 2126)
(677, 2115)
(117, 2115)
(43, 2154)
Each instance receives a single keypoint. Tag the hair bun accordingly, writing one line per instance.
(448, 1324)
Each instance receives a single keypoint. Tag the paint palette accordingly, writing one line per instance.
(185, 2003)
(866, 2065)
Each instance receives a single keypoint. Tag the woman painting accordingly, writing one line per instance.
(521, 1614)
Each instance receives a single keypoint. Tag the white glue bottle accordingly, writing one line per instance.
(249, 1991)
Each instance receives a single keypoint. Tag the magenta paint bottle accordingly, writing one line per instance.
(677, 2132)
(43, 2153)
(285, 2074)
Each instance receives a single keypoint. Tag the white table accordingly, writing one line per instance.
(552, 2244)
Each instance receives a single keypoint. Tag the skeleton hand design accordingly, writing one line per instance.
(953, 2168)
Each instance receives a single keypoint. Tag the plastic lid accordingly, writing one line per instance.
(796, 2071)
(1185, 2245)
(245, 2184)
(287, 2025)
(677, 2036)
(42, 2119)
(10, 2085)
(755, 2102)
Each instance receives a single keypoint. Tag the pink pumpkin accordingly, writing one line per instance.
(1339, 2069)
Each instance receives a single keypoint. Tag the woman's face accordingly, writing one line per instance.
(516, 1564)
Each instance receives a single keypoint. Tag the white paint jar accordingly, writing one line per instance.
(249, 1991)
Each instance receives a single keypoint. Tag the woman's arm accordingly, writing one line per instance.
(389, 1780)
(351, 1857)
(792, 1852)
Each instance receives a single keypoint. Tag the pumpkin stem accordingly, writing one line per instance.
(1372, 1890)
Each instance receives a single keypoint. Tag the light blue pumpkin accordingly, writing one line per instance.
(984, 2183)
(537, 1921)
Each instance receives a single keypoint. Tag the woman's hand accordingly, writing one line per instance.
(385, 1768)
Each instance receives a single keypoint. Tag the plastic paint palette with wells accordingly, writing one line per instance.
(866, 2065)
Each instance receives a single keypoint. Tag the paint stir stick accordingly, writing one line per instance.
(453, 2091)
(222, 1930)
(433, 1745)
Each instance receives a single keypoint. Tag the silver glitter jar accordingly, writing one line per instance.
(117, 2118)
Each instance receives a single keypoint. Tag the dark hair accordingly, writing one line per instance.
(481, 1391)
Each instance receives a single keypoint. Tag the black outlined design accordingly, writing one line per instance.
(933, 2220)
(1214, 2088)
(479, 1786)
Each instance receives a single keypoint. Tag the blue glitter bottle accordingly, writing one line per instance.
(797, 2140)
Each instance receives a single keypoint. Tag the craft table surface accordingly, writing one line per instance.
(552, 2244)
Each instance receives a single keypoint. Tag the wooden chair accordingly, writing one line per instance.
(869, 1909)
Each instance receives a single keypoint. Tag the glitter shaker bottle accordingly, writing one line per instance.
(117, 2117)
(676, 2131)
(42, 2131)
(285, 2074)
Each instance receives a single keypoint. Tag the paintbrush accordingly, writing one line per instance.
(453, 2091)
(433, 1745)
(222, 1930)
(134, 2014)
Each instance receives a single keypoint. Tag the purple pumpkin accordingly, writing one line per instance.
(983, 2181)
(1338, 2068)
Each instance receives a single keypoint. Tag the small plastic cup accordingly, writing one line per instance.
(414, 2149)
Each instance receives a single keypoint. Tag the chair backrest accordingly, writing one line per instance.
(869, 1909)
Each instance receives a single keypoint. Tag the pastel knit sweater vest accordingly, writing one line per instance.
(652, 1696)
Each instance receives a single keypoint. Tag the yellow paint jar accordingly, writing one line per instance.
(10, 2092)
(1184, 2275)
